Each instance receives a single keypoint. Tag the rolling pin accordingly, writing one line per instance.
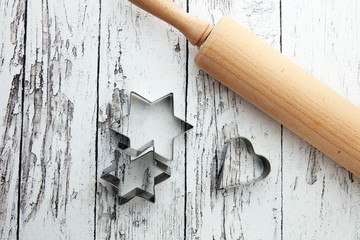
(273, 83)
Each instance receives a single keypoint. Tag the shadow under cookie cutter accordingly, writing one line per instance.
(127, 195)
(265, 163)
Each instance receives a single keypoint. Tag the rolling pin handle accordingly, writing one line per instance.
(194, 29)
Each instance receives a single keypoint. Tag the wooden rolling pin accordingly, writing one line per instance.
(270, 81)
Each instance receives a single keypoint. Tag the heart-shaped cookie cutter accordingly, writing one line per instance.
(265, 163)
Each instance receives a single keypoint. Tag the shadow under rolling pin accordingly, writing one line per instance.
(263, 76)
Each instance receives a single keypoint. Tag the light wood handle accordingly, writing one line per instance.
(194, 29)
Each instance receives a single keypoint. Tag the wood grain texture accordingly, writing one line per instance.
(307, 195)
(143, 54)
(220, 114)
(320, 197)
(12, 32)
(58, 161)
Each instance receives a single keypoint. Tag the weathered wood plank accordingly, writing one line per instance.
(58, 162)
(220, 114)
(139, 53)
(12, 32)
(321, 199)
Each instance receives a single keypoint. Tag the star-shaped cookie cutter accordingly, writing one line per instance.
(125, 142)
(145, 192)
(145, 153)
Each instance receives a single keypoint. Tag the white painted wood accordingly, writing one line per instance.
(306, 196)
(140, 53)
(252, 212)
(58, 154)
(321, 199)
(12, 32)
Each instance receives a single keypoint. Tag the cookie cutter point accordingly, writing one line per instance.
(123, 145)
(264, 161)
(116, 182)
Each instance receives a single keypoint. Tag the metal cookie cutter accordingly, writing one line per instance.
(151, 113)
(143, 168)
(140, 173)
(236, 153)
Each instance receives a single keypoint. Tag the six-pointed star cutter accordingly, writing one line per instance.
(138, 164)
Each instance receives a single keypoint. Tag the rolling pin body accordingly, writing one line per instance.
(253, 69)
(283, 90)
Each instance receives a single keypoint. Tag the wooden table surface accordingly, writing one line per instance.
(66, 71)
